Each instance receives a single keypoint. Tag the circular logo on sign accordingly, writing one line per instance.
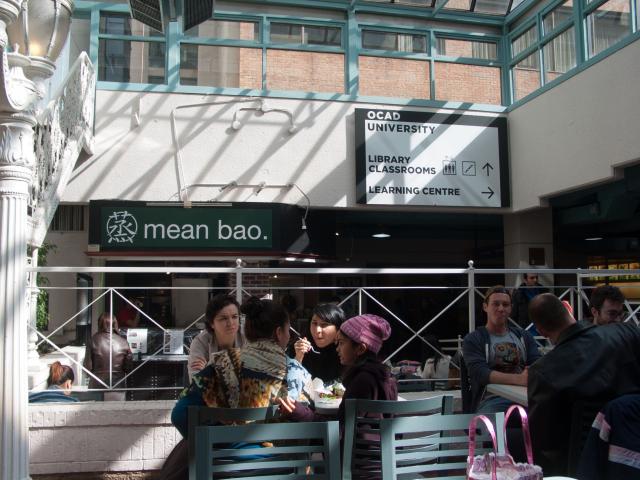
(121, 227)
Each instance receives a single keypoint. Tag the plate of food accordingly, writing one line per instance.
(328, 397)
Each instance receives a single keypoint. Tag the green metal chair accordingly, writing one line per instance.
(361, 451)
(204, 416)
(419, 447)
(299, 450)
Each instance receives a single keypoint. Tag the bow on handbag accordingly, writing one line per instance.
(494, 466)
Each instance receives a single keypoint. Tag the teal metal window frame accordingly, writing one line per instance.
(377, 52)
(351, 46)
(96, 36)
(578, 20)
(181, 38)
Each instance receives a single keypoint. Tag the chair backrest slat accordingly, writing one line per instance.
(361, 429)
(275, 450)
(292, 450)
(200, 415)
(434, 443)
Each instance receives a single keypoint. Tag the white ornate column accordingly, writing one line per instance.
(16, 171)
(17, 161)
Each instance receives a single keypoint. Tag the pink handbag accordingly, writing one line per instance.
(494, 466)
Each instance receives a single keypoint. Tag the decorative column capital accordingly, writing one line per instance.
(16, 139)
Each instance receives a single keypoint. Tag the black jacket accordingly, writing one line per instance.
(520, 301)
(587, 362)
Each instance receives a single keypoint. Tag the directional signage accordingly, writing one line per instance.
(423, 158)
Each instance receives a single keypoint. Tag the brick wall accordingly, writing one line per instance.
(467, 83)
(100, 436)
(305, 71)
(250, 68)
(525, 81)
(253, 284)
(458, 48)
(394, 77)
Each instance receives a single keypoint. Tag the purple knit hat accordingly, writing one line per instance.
(369, 329)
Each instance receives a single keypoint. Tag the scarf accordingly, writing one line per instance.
(243, 378)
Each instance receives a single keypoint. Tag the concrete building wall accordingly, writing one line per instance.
(577, 133)
(139, 162)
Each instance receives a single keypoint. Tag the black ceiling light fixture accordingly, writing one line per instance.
(196, 12)
(157, 13)
(149, 12)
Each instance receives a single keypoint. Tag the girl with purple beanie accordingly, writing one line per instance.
(358, 342)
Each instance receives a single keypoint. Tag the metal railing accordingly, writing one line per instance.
(462, 287)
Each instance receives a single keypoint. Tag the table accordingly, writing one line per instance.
(422, 395)
(515, 393)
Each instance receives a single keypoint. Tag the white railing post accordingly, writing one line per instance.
(112, 313)
(579, 287)
(239, 280)
(360, 301)
(471, 285)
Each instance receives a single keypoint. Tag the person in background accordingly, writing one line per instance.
(324, 362)
(222, 331)
(108, 356)
(586, 362)
(59, 382)
(358, 342)
(128, 316)
(607, 305)
(521, 297)
(497, 353)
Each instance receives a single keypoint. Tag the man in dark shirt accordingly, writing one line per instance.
(587, 362)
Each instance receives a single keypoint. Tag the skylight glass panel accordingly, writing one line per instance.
(456, 5)
(492, 7)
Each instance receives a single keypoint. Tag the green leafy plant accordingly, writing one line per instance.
(42, 306)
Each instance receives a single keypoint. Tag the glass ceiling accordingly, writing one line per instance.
(488, 7)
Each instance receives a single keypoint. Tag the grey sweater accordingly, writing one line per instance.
(475, 349)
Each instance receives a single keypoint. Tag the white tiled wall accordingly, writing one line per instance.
(100, 437)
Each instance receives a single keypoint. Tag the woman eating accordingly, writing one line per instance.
(320, 356)
(359, 341)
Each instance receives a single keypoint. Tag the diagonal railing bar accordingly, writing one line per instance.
(583, 294)
(143, 313)
(415, 334)
(632, 312)
(70, 358)
(73, 317)
(179, 288)
(389, 311)
(346, 299)
(438, 315)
